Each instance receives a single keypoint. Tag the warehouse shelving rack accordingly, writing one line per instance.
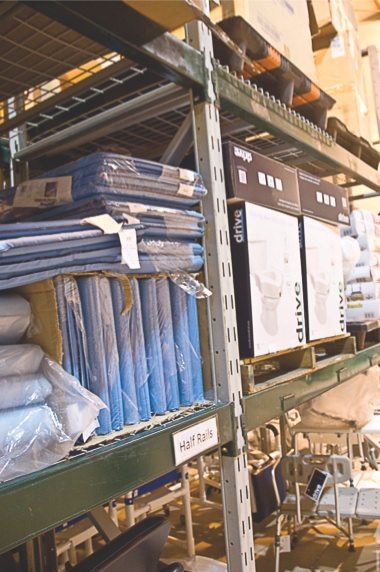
(156, 101)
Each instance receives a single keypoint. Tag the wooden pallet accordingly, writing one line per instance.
(294, 363)
(366, 333)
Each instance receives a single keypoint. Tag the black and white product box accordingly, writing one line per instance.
(255, 178)
(267, 278)
(323, 280)
(323, 200)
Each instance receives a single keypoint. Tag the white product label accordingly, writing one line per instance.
(187, 175)
(285, 545)
(129, 252)
(137, 208)
(270, 181)
(279, 186)
(185, 190)
(90, 429)
(337, 47)
(194, 440)
(262, 178)
(332, 201)
(105, 222)
(326, 199)
(319, 197)
(242, 177)
(43, 193)
(344, 202)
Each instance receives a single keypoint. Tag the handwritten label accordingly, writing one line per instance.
(129, 252)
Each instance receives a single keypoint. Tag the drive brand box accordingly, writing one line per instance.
(323, 281)
(260, 180)
(323, 200)
(267, 279)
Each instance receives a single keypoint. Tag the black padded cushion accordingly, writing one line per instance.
(136, 550)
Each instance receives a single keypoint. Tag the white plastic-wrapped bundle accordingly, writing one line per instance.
(350, 253)
(348, 405)
(15, 318)
(43, 411)
(362, 222)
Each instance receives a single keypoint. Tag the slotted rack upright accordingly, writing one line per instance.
(161, 98)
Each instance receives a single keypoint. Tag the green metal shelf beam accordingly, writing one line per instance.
(282, 394)
(39, 502)
(245, 102)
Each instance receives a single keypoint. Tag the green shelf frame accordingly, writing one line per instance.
(281, 394)
(32, 505)
(256, 108)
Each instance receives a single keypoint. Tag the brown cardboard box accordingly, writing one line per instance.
(168, 14)
(339, 73)
(45, 330)
(276, 21)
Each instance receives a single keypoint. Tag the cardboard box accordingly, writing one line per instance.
(332, 17)
(362, 291)
(267, 279)
(258, 179)
(363, 310)
(276, 21)
(45, 331)
(323, 200)
(323, 282)
(340, 75)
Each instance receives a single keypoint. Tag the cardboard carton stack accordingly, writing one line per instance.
(339, 66)
(363, 284)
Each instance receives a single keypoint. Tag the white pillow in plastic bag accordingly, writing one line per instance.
(15, 318)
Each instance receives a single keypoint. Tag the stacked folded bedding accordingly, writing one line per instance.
(106, 176)
(155, 221)
(142, 362)
(34, 256)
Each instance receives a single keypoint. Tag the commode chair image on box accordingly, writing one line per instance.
(320, 278)
(270, 281)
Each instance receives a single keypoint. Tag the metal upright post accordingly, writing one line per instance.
(221, 308)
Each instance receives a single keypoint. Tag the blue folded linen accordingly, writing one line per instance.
(71, 325)
(157, 221)
(126, 355)
(23, 390)
(102, 354)
(67, 358)
(195, 349)
(116, 176)
(151, 327)
(182, 343)
(96, 262)
(165, 321)
(112, 171)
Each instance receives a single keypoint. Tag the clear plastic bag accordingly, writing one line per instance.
(15, 318)
(45, 424)
(351, 404)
